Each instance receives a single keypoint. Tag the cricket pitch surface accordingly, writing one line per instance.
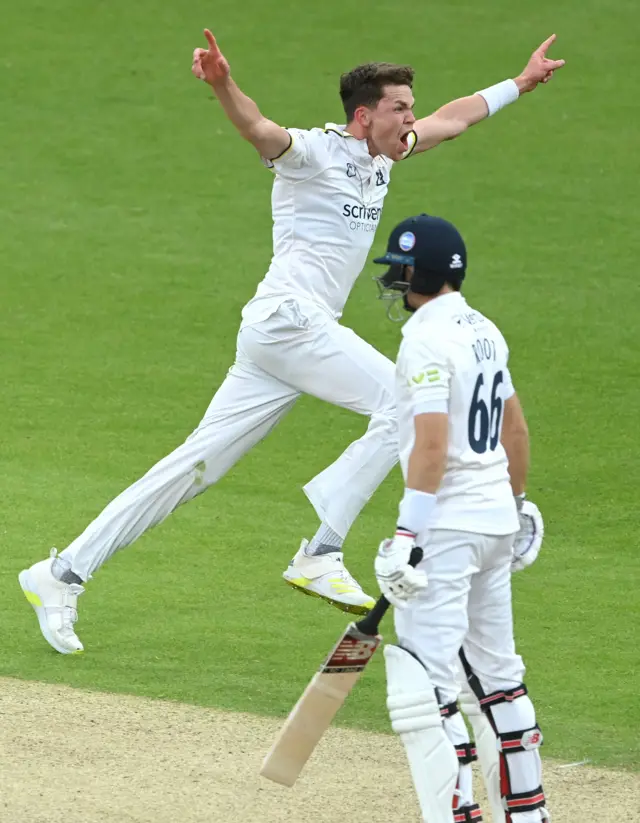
(88, 757)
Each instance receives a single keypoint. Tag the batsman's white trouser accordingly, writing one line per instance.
(468, 604)
(289, 353)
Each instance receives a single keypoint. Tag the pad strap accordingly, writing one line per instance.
(502, 696)
(525, 801)
(468, 814)
(449, 710)
(466, 753)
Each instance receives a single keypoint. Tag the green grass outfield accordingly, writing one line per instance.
(134, 225)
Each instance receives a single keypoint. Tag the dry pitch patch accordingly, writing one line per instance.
(86, 757)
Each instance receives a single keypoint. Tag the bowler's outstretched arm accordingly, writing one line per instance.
(210, 65)
(455, 117)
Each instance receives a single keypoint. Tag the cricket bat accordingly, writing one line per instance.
(328, 689)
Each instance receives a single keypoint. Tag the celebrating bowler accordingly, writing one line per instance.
(329, 187)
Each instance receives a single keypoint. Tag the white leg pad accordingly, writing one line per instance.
(415, 716)
(486, 746)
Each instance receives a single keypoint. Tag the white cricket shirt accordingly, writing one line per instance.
(326, 201)
(454, 359)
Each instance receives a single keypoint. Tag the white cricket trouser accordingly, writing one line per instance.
(467, 604)
(279, 358)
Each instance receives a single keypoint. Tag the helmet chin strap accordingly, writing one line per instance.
(405, 302)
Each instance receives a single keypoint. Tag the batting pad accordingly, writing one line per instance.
(415, 716)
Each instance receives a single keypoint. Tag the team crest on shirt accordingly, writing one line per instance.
(380, 181)
(351, 170)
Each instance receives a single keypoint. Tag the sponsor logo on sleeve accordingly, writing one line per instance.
(430, 375)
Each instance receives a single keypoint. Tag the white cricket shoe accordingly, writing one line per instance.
(55, 605)
(325, 576)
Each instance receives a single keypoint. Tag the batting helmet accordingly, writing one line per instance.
(435, 249)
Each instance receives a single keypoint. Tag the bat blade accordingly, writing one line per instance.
(314, 712)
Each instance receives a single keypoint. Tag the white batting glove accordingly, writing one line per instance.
(398, 581)
(528, 541)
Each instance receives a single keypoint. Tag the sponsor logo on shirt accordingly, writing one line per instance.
(362, 212)
(362, 218)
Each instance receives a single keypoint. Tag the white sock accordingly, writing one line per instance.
(325, 540)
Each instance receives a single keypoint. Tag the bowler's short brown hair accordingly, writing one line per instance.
(364, 85)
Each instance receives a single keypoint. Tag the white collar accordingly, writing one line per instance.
(446, 305)
(358, 147)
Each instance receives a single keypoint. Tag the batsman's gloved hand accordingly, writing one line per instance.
(398, 581)
(528, 540)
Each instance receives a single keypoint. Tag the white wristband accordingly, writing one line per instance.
(415, 510)
(500, 95)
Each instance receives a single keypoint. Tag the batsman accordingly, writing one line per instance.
(464, 451)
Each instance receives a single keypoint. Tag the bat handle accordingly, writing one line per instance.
(371, 623)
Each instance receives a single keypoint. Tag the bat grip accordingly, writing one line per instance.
(371, 623)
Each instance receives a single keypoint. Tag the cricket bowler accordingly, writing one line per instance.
(329, 188)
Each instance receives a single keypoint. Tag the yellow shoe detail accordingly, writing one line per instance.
(342, 588)
(300, 585)
(33, 598)
(303, 582)
(365, 608)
